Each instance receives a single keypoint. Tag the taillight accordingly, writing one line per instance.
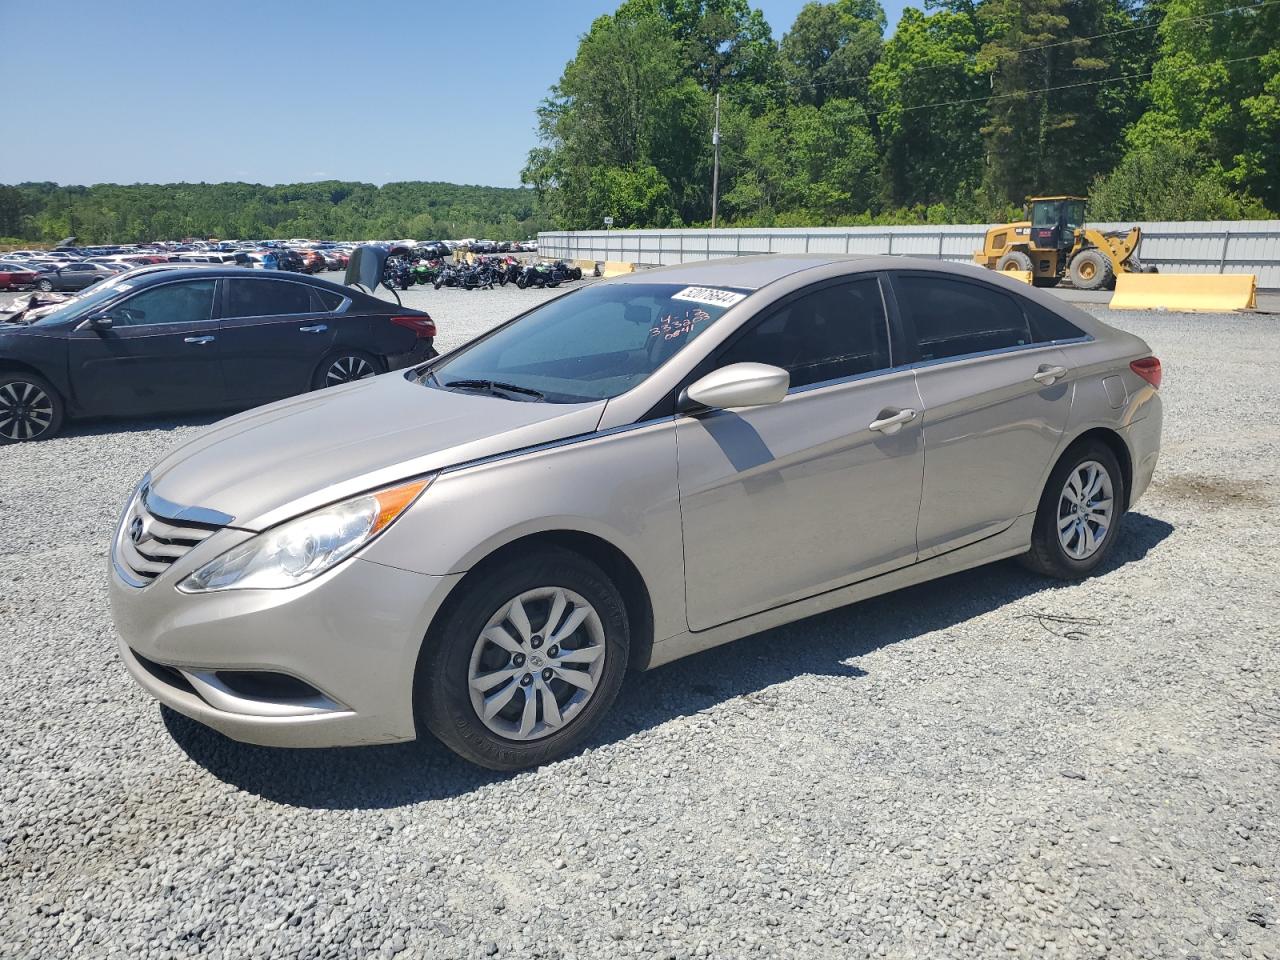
(423, 327)
(1148, 368)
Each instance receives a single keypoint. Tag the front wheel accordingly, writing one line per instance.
(1079, 512)
(30, 408)
(521, 668)
(1091, 270)
(45, 285)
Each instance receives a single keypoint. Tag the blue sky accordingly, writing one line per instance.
(146, 91)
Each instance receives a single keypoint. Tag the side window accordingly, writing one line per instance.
(186, 302)
(265, 298)
(838, 331)
(1048, 326)
(953, 318)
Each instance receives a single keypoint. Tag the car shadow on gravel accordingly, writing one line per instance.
(825, 645)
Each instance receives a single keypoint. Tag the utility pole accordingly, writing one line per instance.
(715, 170)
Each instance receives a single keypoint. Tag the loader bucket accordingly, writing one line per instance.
(1188, 292)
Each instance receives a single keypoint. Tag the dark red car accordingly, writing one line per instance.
(15, 276)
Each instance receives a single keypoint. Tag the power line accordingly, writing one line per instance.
(1045, 46)
(1064, 86)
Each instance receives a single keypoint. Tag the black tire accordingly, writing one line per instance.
(345, 366)
(1013, 260)
(1048, 556)
(577, 273)
(1091, 270)
(442, 694)
(30, 408)
(522, 281)
(46, 285)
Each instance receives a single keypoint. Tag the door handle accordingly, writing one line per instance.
(314, 328)
(1047, 374)
(198, 340)
(891, 424)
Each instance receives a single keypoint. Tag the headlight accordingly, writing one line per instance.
(300, 550)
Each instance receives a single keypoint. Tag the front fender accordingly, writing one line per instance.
(619, 486)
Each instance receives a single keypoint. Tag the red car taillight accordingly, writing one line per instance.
(1148, 368)
(423, 327)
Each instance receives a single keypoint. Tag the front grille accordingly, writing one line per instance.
(149, 544)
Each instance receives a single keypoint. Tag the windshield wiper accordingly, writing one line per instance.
(495, 387)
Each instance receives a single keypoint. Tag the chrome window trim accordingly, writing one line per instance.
(1018, 348)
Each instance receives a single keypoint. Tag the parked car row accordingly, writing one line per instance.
(297, 255)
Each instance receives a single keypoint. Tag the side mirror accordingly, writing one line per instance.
(100, 321)
(737, 385)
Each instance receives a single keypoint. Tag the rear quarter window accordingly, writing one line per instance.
(1048, 326)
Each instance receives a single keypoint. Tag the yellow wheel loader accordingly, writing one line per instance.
(1054, 243)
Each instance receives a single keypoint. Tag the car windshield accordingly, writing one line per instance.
(593, 344)
(97, 294)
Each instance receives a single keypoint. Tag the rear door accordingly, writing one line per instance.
(274, 333)
(993, 415)
(159, 356)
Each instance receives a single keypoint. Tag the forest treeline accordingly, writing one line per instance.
(1166, 109)
(112, 213)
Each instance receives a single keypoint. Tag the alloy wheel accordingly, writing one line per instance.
(26, 411)
(1085, 510)
(536, 664)
(348, 369)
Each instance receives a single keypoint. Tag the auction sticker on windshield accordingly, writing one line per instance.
(710, 295)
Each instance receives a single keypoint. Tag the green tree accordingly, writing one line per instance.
(1057, 101)
(830, 49)
(930, 154)
(1168, 181)
(1216, 87)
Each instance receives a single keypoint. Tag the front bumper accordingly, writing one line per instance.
(352, 635)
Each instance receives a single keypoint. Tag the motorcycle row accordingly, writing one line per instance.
(483, 273)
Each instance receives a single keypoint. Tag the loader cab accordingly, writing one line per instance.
(1054, 221)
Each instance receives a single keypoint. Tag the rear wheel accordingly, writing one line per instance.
(346, 366)
(1091, 270)
(1075, 526)
(30, 408)
(520, 669)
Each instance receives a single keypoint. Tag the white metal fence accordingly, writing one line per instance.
(1217, 246)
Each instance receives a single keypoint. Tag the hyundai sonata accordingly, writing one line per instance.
(482, 546)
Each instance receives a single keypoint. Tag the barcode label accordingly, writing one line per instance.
(710, 295)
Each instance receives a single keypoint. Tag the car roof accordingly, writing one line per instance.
(744, 273)
(758, 271)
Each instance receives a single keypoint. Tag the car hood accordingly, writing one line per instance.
(281, 460)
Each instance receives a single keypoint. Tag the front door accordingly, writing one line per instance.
(996, 406)
(786, 501)
(160, 354)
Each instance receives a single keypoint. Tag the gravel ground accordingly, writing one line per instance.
(989, 765)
